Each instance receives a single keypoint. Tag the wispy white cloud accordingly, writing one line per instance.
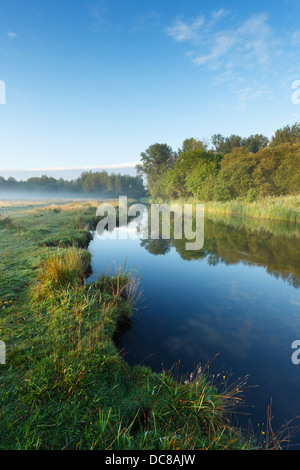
(252, 93)
(257, 38)
(219, 14)
(12, 35)
(99, 15)
(295, 38)
(84, 168)
(222, 44)
(248, 43)
(186, 31)
(238, 52)
(195, 29)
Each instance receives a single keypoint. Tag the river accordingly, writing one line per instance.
(233, 306)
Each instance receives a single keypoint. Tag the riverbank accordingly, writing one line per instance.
(65, 385)
(284, 208)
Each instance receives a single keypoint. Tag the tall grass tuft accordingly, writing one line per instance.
(63, 268)
(121, 284)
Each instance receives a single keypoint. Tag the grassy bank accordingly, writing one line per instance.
(65, 385)
(284, 208)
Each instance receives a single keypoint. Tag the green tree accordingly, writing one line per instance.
(192, 144)
(288, 134)
(224, 145)
(255, 143)
(206, 167)
(190, 172)
(155, 161)
(235, 177)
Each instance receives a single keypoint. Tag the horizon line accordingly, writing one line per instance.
(65, 168)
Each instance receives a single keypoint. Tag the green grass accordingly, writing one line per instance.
(65, 385)
(283, 208)
(61, 269)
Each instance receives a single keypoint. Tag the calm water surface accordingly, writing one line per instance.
(235, 304)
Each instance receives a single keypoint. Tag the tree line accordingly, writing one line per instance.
(98, 183)
(230, 168)
(223, 169)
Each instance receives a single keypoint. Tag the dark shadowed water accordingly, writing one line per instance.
(235, 304)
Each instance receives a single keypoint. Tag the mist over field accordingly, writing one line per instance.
(43, 195)
(89, 185)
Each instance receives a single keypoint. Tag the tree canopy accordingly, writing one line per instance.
(234, 166)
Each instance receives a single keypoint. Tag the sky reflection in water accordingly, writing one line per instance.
(235, 304)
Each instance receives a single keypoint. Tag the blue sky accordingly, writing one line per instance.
(93, 83)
